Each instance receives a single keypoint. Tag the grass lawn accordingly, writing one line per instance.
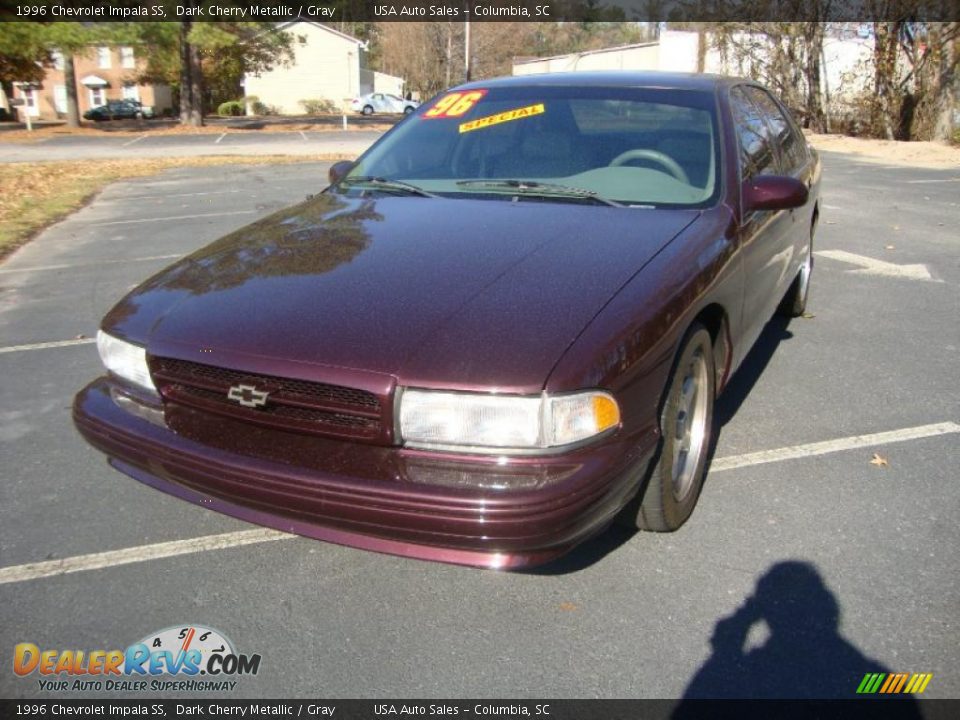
(39, 194)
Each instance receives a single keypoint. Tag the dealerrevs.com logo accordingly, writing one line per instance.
(182, 658)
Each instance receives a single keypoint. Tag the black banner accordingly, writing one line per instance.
(334, 11)
(886, 708)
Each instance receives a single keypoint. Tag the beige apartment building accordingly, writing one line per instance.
(103, 73)
(327, 65)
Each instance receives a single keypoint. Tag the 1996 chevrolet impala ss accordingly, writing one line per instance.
(500, 329)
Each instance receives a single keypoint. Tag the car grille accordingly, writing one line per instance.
(291, 404)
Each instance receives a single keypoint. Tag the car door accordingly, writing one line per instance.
(765, 237)
(390, 103)
(796, 162)
(379, 103)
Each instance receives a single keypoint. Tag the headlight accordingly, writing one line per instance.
(491, 423)
(125, 360)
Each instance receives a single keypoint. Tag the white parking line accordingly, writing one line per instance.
(136, 139)
(173, 195)
(925, 182)
(37, 268)
(302, 135)
(217, 141)
(143, 553)
(113, 558)
(832, 446)
(44, 345)
(172, 217)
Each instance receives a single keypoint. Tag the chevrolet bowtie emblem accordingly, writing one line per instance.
(248, 396)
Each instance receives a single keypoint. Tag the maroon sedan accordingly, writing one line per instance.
(500, 329)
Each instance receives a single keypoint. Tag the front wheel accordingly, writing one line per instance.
(686, 425)
(368, 109)
(407, 110)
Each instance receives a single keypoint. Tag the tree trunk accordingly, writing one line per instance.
(186, 73)
(449, 64)
(70, 85)
(812, 70)
(946, 99)
(196, 71)
(191, 80)
(701, 48)
(885, 35)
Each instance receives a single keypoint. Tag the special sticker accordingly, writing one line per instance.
(503, 117)
(455, 104)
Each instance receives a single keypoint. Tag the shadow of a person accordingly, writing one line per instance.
(803, 656)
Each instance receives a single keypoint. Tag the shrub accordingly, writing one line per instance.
(260, 108)
(318, 106)
(231, 107)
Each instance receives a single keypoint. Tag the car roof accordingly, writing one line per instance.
(613, 78)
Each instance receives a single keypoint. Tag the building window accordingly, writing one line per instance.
(30, 100)
(57, 59)
(126, 58)
(60, 98)
(103, 55)
(98, 97)
(131, 92)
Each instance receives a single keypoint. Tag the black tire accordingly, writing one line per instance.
(407, 110)
(794, 303)
(668, 500)
(368, 109)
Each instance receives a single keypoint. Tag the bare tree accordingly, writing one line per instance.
(787, 56)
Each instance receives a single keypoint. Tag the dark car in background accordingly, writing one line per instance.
(499, 330)
(119, 110)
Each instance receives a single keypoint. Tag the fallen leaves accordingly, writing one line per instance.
(879, 460)
(569, 606)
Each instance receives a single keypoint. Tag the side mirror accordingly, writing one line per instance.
(773, 192)
(339, 170)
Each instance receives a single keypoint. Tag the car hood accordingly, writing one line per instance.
(460, 293)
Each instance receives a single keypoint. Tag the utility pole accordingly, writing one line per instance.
(466, 50)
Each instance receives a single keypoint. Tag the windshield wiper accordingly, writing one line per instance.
(539, 189)
(387, 184)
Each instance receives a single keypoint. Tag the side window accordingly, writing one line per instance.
(756, 153)
(793, 148)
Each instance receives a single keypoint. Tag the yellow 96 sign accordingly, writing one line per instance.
(455, 104)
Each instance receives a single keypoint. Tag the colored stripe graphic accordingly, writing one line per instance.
(870, 683)
(918, 683)
(894, 683)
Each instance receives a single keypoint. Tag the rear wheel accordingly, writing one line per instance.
(794, 303)
(686, 424)
(368, 109)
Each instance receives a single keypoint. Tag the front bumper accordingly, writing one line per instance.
(472, 511)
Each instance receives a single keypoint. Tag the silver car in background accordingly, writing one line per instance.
(383, 103)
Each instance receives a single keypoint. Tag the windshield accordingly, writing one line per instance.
(619, 145)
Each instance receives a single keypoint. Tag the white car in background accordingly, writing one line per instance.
(383, 103)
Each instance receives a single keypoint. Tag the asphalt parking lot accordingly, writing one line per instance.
(852, 565)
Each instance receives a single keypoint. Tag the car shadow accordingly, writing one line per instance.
(725, 409)
(784, 642)
(750, 370)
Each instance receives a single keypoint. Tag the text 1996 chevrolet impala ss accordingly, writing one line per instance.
(500, 329)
